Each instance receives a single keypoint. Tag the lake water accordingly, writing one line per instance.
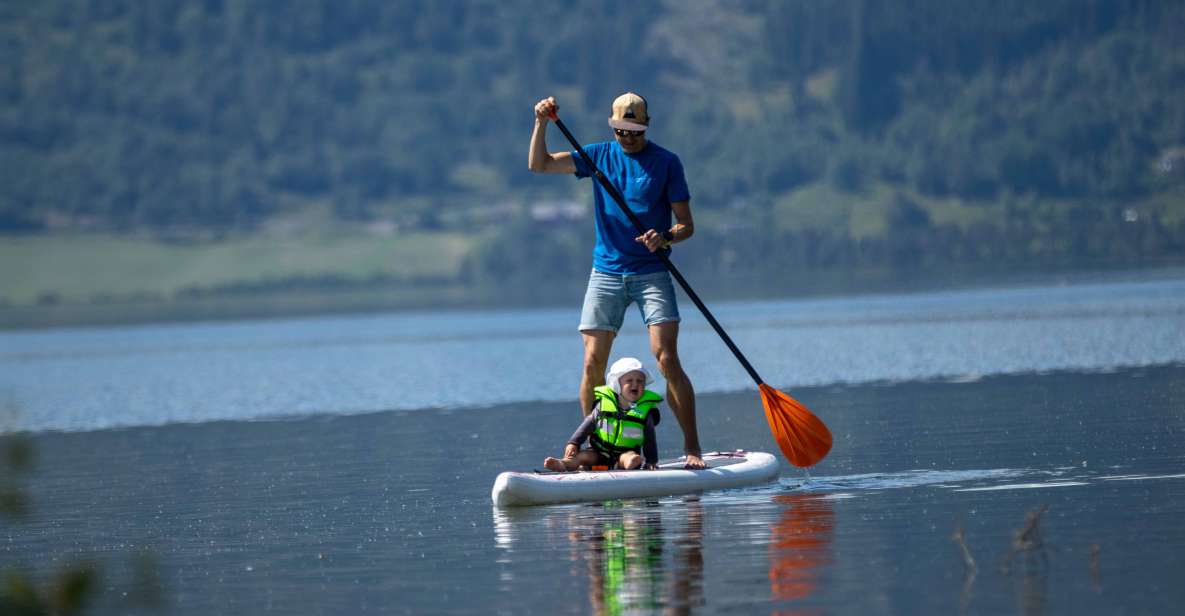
(91, 379)
(343, 465)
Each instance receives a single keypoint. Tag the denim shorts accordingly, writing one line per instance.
(608, 296)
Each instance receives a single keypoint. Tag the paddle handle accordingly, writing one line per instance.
(662, 254)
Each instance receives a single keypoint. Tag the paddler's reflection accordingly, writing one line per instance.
(687, 572)
(623, 548)
(800, 545)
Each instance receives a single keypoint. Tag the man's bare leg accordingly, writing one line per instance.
(597, 344)
(680, 394)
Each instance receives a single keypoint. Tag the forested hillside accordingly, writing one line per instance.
(816, 134)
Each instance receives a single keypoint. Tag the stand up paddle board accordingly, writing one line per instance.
(725, 470)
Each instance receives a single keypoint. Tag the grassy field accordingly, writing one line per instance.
(81, 268)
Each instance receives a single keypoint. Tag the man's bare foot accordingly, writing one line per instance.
(694, 462)
(555, 464)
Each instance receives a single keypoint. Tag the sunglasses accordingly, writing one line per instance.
(628, 133)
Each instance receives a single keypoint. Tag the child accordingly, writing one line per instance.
(620, 428)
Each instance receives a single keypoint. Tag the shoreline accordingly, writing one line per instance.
(364, 299)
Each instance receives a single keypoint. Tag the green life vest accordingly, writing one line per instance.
(621, 430)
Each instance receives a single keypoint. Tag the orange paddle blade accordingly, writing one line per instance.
(803, 438)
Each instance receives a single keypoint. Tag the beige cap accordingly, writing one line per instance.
(629, 112)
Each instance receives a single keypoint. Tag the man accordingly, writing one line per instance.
(625, 268)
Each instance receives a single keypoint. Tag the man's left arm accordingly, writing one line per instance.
(683, 228)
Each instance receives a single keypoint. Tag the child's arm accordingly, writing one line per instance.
(587, 427)
(650, 442)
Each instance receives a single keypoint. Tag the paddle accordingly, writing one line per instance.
(802, 437)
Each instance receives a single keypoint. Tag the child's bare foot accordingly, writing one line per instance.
(555, 464)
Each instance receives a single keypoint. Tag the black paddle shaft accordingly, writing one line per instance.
(662, 254)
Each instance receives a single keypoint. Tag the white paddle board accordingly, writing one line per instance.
(725, 470)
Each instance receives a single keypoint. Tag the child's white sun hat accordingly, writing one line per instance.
(622, 367)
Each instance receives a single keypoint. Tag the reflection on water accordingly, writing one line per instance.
(800, 545)
(647, 556)
(623, 550)
(633, 560)
(688, 569)
(1028, 547)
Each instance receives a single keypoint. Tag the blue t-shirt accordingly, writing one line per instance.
(650, 181)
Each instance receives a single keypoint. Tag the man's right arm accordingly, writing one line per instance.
(539, 159)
